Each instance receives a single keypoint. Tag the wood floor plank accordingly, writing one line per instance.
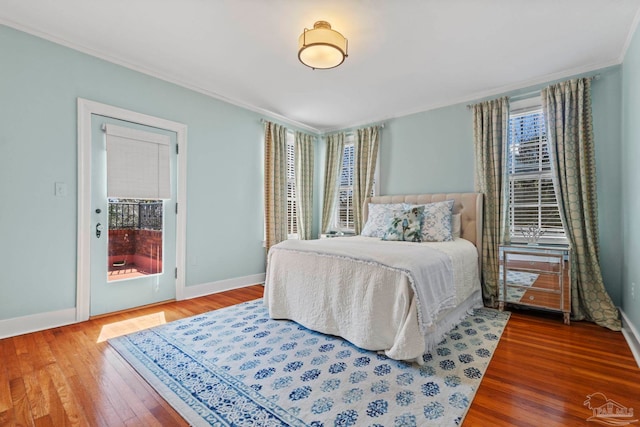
(45, 421)
(540, 374)
(89, 382)
(81, 400)
(65, 408)
(28, 357)
(111, 398)
(21, 407)
(10, 358)
(5, 391)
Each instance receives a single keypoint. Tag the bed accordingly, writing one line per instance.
(371, 292)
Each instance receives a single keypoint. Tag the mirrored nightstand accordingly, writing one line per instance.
(536, 276)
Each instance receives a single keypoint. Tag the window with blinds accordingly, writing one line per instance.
(532, 198)
(292, 218)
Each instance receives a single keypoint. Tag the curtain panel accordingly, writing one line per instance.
(567, 108)
(304, 147)
(366, 154)
(275, 183)
(490, 136)
(333, 166)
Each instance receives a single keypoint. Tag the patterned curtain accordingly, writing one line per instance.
(333, 166)
(567, 108)
(366, 154)
(275, 183)
(304, 184)
(490, 136)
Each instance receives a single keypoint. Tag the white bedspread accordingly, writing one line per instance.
(428, 270)
(367, 301)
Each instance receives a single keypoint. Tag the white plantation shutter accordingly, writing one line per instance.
(345, 190)
(344, 220)
(292, 217)
(137, 164)
(532, 198)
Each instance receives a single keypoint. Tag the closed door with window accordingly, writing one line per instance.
(133, 202)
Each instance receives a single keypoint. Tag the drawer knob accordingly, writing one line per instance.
(531, 298)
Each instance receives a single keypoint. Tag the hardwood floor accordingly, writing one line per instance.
(541, 373)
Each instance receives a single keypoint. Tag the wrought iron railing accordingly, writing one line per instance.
(135, 214)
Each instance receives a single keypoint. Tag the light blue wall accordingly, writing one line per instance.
(631, 180)
(424, 152)
(428, 152)
(606, 107)
(433, 151)
(39, 84)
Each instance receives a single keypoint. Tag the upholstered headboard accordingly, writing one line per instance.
(468, 205)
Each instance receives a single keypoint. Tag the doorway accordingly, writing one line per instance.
(130, 244)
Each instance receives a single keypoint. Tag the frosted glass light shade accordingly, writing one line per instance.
(322, 47)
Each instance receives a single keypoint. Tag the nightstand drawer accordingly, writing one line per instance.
(542, 299)
(541, 265)
(529, 280)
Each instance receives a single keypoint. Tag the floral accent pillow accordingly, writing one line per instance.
(380, 215)
(436, 226)
(406, 225)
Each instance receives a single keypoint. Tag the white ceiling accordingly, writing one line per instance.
(405, 56)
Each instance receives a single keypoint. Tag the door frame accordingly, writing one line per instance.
(86, 108)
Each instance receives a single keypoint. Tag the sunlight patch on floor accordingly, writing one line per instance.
(124, 327)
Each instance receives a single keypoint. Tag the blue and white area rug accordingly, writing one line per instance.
(237, 367)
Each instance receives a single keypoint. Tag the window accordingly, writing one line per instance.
(532, 198)
(292, 218)
(344, 215)
(344, 206)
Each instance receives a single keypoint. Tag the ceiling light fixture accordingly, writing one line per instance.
(322, 47)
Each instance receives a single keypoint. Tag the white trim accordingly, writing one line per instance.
(327, 130)
(632, 32)
(223, 285)
(475, 97)
(631, 335)
(525, 105)
(153, 73)
(53, 319)
(36, 322)
(85, 109)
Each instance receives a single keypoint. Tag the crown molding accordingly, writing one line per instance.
(632, 32)
(321, 131)
(153, 73)
(478, 96)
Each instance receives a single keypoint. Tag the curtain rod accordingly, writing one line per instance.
(381, 125)
(526, 95)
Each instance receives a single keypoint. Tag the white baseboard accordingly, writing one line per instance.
(632, 336)
(222, 285)
(36, 322)
(41, 321)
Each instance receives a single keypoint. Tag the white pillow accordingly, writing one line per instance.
(437, 221)
(380, 215)
(456, 225)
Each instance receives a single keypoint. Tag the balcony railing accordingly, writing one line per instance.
(134, 214)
